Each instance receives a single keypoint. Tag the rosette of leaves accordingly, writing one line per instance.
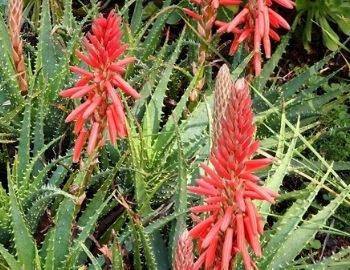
(326, 14)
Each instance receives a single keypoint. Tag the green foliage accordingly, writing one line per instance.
(335, 145)
(325, 14)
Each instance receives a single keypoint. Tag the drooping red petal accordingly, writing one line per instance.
(111, 126)
(252, 238)
(238, 19)
(92, 107)
(93, 138)
(79, 144)
(83, 91)
(226, 250)
(123, 85)
(200, 227)
(211, 234)
(205, 208)
(81, 71)
(226, 221)
(77, 111)
(211, 252)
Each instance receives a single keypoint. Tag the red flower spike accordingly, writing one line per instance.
(230, 222)
(206, 19)
(102, 111)
(252, 25)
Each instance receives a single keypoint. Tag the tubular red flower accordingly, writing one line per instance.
(102, 109)
(240, 17)
(111, 126)
(226, 250)
(74, 114)
(79, 145)
(93, 137)
(192, 14)
(211, 253)
(231, 223)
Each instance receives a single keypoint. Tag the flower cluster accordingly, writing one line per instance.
(253, 25)
(205, 22)
(207, 15)
(228, 219)
(102, 108)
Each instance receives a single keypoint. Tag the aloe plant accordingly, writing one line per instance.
(128, 207)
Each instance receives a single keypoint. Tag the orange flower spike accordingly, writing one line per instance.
(102, 109)
(231, 222)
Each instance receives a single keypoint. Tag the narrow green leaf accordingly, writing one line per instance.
(24, 242)
(68, 18)
(117, 257)
(297, 240)
(58, 247)
(136, 246)
(147, 247)
(180, 197)
(156, 103)
(167, 134)
(24, 143)
(33, 162)
(84, 234)
(152, 39)
(150, 78)
(46, 53)
(9, 258)
(275, 181)
(290, 88)
(136, 17)
(287, 224)
(93, 260)
(41, 199)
